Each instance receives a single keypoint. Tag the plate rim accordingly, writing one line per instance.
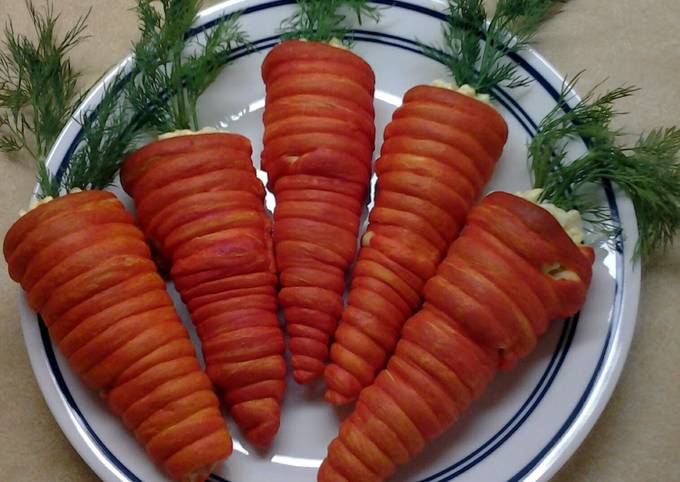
(613, 358)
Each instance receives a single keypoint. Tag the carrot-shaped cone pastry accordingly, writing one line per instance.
(518, 264)
(439, 151)
(89, 274)
(86, 269)
(318, 148)
(201, 205)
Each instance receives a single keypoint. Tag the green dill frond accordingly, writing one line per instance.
(589, 119)
(161, 45)
(107, 134)
(482, 64)
(325, 20)
(648, 172)
(163, 29)
(38, 85)
(166, 91)
(49, 186)
(124, 112)
(200, 70)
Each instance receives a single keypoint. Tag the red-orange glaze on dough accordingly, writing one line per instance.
(86, 269)
(202, 207)
(440, 149)
(318, 147)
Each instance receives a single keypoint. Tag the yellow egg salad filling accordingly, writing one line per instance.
(39, 202)
(466, 89)
(571, 222)
(187, 132)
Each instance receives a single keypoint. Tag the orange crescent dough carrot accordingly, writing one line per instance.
(318, 147)
(511, 271)
(440, 150)
(201, 204)
(86, 269)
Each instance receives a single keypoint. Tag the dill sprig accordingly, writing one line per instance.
(166, 91)
(38, 88)
(589, 119)
(160, 92)
(482, 64)
(108, 131)
(648, 172)
(38, 85)
(324, 20)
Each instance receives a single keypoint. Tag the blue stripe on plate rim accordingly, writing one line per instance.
(569, 327)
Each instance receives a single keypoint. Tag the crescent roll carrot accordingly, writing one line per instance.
(86, 269)
(202, 206)
(512, 270)
(318, 146)
(440, 150)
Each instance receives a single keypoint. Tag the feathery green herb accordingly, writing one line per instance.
(648, 172)
(482, 64)
(107, 134)
(166, 92)
(324, 20)
(38, 90)
(589, 119)
(38, 85)
(161, 95)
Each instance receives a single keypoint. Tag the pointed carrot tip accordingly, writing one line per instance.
(304, 376)
(262, 436)
(327, 473)
(259, 420)
(336, 398)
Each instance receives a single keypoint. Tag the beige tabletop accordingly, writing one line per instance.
(637, 437)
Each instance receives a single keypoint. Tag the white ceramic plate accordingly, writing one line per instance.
(529, 421)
